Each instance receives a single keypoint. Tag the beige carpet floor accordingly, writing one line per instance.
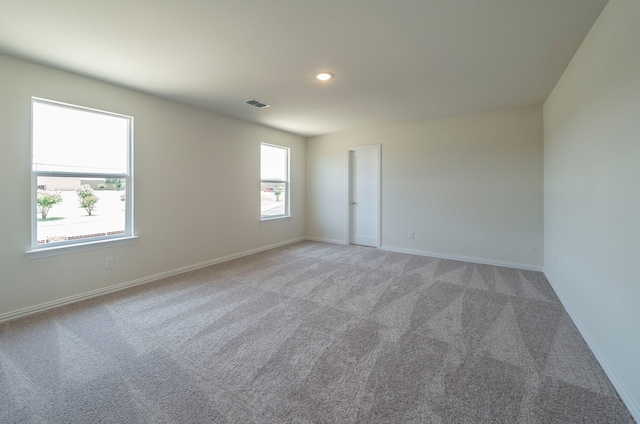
(310, 333)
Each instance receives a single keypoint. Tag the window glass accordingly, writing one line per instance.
(274, 183)
(75, 140)
(72, 208)
(273, 161)
(81, 174)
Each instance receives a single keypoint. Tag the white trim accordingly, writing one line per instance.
(624, 394)
(94, 293)
(325, 240)
(45, 252)
(483, 261)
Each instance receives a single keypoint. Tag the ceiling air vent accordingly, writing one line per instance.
(254, 102)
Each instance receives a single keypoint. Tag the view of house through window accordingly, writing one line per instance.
(81, 174)
(274, 181)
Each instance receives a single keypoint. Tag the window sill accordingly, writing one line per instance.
(275, 218)
(78, 247)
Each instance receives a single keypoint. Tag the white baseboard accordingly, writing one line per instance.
(627, 399)
(116, 287)
(463, 258)
(324, 240)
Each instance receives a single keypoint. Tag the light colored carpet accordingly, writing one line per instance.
(310, 333)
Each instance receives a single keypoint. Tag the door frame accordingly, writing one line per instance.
(377, 148)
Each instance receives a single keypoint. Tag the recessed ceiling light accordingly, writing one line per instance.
(324, 76)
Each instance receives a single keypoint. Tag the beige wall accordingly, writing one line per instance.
(469, 187)
(592, 193)
(196, 188)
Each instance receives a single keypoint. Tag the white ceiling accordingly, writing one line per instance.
(394, 61)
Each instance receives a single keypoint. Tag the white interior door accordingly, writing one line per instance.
(364, 195)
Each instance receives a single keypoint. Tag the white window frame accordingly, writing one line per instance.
(43, 250)
(286, 182)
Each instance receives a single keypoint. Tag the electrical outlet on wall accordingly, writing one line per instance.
(410, 235)
(108, 262)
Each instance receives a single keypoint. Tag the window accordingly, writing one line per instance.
(274, 181)
(81, 175)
